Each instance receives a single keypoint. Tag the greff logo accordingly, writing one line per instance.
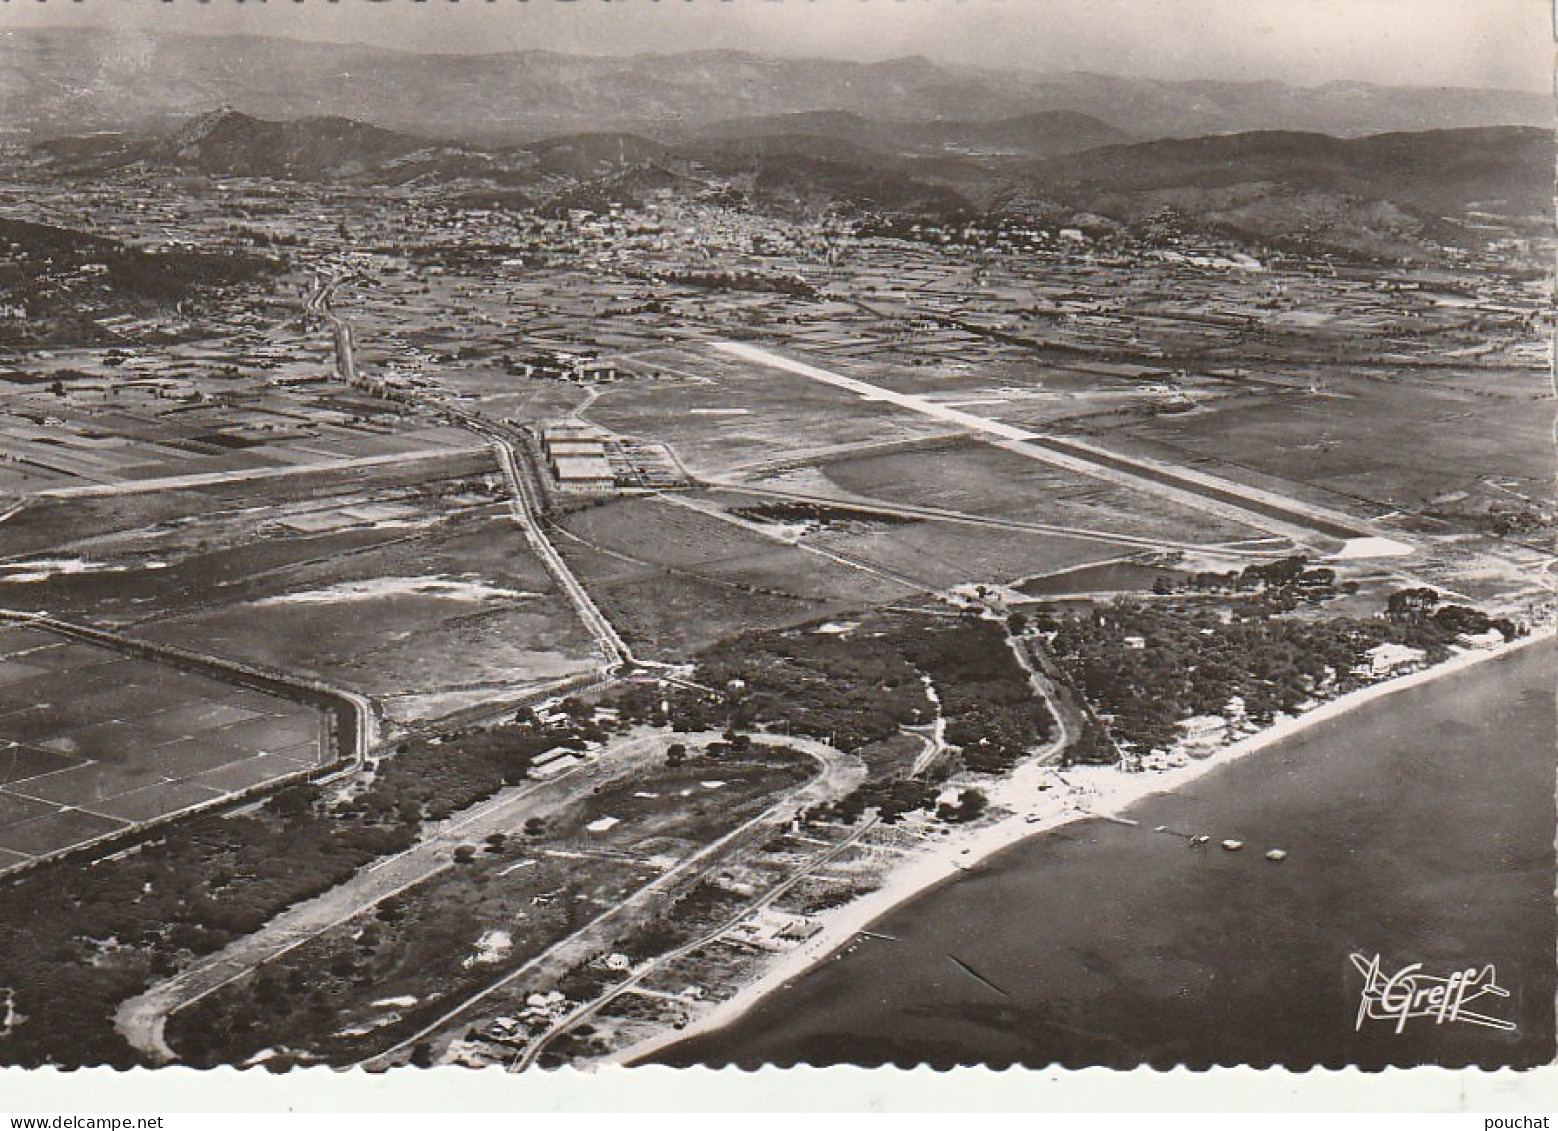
(1410, 994)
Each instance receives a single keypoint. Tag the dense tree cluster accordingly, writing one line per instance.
(820, 514)
(855, 689)
(39, 264)
(847, 691)
(992, 714)
(1148, 666)
(891, 800)
(1504, 520)
(427, 781)
(1289, 577)
(791, 285)
(1424, 608)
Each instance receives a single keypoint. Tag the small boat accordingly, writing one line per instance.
(1276, 854)
(1233, 845)
(1200, 839)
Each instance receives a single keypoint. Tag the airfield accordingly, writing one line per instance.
(886, 432)
(370, 547)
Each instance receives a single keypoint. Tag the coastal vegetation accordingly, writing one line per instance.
(372, 980)
(1147, 667)
(850, 689)
(79, 936)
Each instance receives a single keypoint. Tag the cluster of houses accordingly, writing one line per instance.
(565, 365)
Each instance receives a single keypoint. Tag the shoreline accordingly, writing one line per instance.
(1092, 792)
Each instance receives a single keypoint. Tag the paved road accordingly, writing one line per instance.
(1039, 682)
(840, 773)
(613, 648)
(936, 740)
(522, 505)
(771, 896)
(142, 1019)
(211, 478)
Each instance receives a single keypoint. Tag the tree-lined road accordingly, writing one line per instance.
(839, 774)
(142, 1019)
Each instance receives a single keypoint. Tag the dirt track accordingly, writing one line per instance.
(142, 1019)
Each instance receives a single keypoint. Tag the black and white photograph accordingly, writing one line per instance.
(1000, 533)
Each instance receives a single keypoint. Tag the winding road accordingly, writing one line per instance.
(839, 774)
(142, 1019)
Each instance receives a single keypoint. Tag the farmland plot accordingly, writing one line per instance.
(92, 742)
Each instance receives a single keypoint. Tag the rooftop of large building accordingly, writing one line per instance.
(580, 469)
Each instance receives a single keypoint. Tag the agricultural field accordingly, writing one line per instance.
(980, 479)
(426, 623)
(74, 424)
(674, 579)
(653, 563)
(407, 582)
(719, 413)
(667, 616)
(1360, 439)
(679, 537)
(92, 742)
(171, 524)
(942, 554)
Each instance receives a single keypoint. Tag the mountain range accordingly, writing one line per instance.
(60, 82)
(1398, 194)
(1342, 167)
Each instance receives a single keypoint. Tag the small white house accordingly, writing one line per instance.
(1492, 638)
(1201, 734)
(1386, 658)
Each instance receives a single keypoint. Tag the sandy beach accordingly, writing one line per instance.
(1076, 793)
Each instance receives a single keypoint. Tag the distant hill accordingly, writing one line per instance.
(1507, 170)
(68, 81)
(804, 184)
(1041, 134)
(1044, 133)
(327, 148)
(733, 153)
(1384, 195)
(841, 124)
(783, 174)
(588, 170)
(231, 143)
(591, 154)
(64, 279)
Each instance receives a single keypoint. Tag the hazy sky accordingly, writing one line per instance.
(1414, 42)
